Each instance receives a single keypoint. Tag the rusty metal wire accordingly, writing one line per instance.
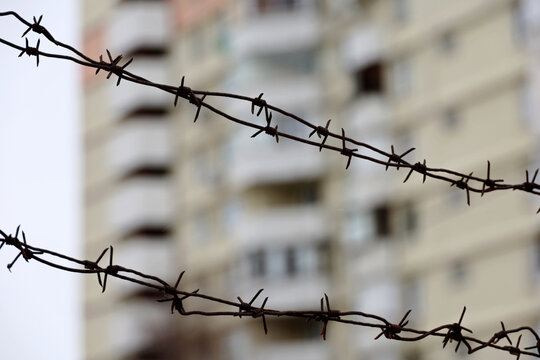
(466, 182)
(448, 333)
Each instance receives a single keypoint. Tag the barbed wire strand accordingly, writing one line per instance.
(467, 182)
(393, 331)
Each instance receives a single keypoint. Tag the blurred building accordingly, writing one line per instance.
(457, 80)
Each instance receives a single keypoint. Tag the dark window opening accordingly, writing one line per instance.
(153, 232)
(147, 171)
(288, 330)
(144, 294)
(382, 220)
(158, 112)
(370, 79)
(149, 50)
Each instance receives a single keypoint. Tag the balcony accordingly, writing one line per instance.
(367, 113)
(141, 202)
(261, 161)
(295, 292)
(141, 143)
(274, 164)
(277, 31)
(137, 324)
(148, 255)
(294, 87)
(148, 24)
(363, 45)
(279, 226)
(132, 97)
(298, 350)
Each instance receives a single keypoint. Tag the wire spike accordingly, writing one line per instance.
(255, 297)
(179, 279)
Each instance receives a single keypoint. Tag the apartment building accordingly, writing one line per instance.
(459, 87)
(456, 80)
(172, 195)
(128, 151)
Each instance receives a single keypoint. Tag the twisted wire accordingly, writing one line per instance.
(451, 332)
(467, 182)
(399, 331)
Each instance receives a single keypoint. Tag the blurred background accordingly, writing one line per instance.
(458, 80)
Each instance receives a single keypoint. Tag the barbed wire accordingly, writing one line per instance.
(452, 332)
(393, 331)
(111, 65)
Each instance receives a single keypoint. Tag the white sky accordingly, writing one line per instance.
(40, 308)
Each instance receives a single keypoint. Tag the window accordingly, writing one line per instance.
(231, 214)
(451, 118)
(409, 219)
(400, 10)
(358, 229)
(291, 262)
(401, 78)
(300, 61)
(269, 6)
(257, 263)
(276, 262)
(459, 272)
(382, 220)
(370, 79)
(307, 258)
(322, 263)
(448, 43)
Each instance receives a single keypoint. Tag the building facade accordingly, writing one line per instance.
(456, 80)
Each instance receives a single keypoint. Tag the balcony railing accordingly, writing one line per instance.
(141, 143)
(142, 202)
(148, 24)
(133, 96)
(137, 324)
(297, 350)
(269, 163)
(363, 45)
(148, 255)
(297, 292)
(280, 226)
(277, 31)
(369, 112)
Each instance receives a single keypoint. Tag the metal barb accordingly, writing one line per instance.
(346, 151)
